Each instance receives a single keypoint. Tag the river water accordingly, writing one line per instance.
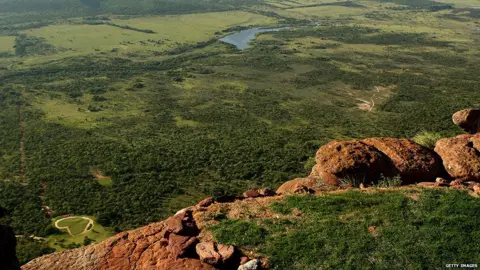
(242, 39)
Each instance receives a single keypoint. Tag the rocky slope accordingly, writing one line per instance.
(182, 242)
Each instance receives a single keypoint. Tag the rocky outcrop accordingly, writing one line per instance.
(468, 120)
(350, 159)
(411, 161)
(8, 243)
(163, 245)
(367, 160)
(460, 156)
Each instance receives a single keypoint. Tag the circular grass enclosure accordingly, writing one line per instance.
(75, 225)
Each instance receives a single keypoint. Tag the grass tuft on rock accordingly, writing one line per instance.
(427, 139)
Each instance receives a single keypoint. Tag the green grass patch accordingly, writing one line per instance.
(240, 233)
(356, 230)
(427, 139)
(167, 32)
(76, 225)
(62, 240)
(6, 44)
(105, 181)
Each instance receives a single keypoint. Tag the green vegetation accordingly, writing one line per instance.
(105, 181)
(418, 229)
(25, 45)
(239, 233)
(170, 115)
(427, 139)
(62, 239)
(74, 225)
(389, 182)
(28, 249)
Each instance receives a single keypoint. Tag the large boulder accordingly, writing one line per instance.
(468, 120)
(460, 157)
(413, 162)
(339, 160)
(8, 243)
(298, 185)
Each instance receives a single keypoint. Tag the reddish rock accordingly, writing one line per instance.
(315, 171)
(298, 185)
(265, 264)
(226, 252)
(206, 202)
(180, 246)
(476, 189)
(214, 254)
(460, 159)
(468, 120)
(339, 160)
(464, 136)
(427, 184)
(142, 248)
(208, 253)
(163, 242)
(244, 260)
(252, 193)
(475, 140)
(182, 223)
(441, 182)
(267, 192)
(413, 162)
(373, 231)
(185, 211)
(174, 224)
(180, 264)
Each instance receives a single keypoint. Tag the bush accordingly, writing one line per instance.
(353, 180)
(99, 98)
(427, 139)
(386, 182)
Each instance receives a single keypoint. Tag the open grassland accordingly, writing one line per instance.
(73, 225)
(91, 110)
(363, 230)
(6, 44)
(168, 32)
(462, 3)
(322, 12)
